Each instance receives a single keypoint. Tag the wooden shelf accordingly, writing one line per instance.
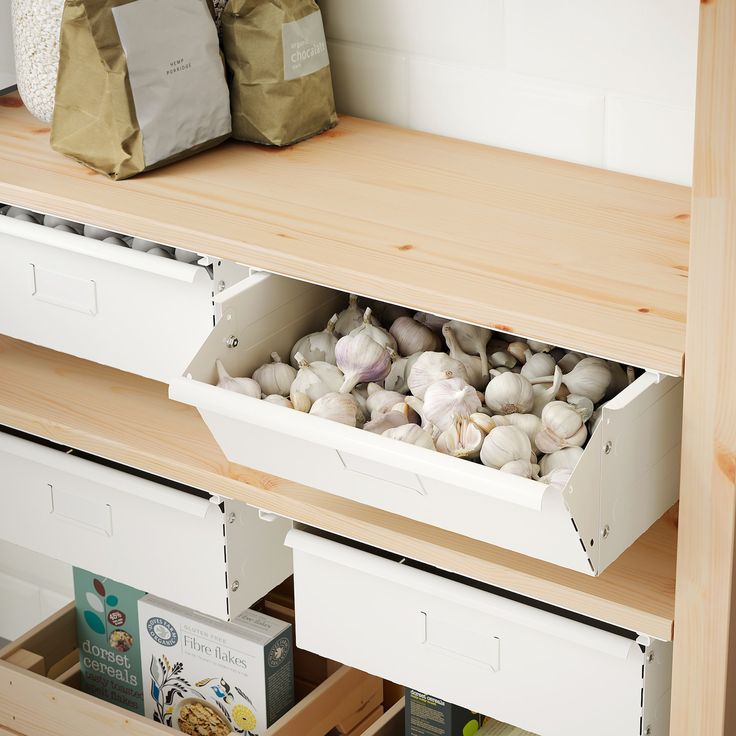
(576, 256)
(129, 419)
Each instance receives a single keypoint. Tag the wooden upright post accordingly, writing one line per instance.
(704, 686)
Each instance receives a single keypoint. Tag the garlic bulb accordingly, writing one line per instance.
(123, 244)
(522, 468)
(537, 365)
(245, 386)
(361, 359)
(18, 213)
(317, 345)
(568, 361)
(410, 416)
(462, 438)
(583, 405)
(432, 367)
(350, 317)
(53, 221)
(314, 379)
(280, 400)
(477, 377)
(509, 393)
(484, 422)
(275, 377)
(390, 420)
(543, 395)
(502, 359)
(566, 458)
(590, 377)
(538, 347)
(387, 313)
(399, 372)
(375, 332)
(530, 424)
(518, 349)
(186, 256)
(563, 427)
(473, 340)
(412, 434)
(337, 407)
(300, 401)
(505, 445)
(417, 405)
(452, 397)
(381, 401)
(430, 320)
(413, 337)
(620, 378)
(98, 233)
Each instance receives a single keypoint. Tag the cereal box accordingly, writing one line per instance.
(207, 677)
(107, 632)
(425, 715)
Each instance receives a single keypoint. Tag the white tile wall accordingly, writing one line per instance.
(603, 82)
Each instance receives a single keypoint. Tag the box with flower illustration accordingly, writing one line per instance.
(206, 677)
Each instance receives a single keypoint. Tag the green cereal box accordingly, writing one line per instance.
(208, 677)
(425, 715)
(107, 632)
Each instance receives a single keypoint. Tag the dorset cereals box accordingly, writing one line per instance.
(206, 677)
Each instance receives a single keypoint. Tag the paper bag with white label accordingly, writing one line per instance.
(141, 84)
(281, 86)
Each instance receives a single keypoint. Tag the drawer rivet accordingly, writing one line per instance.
(232, 341)
(221, 286)
(650, 657)
(235, 585)
(606, 531)
(648, 731)
(231, 517)
(607, 449)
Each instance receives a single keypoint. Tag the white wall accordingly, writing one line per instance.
(7, 68)
(609, 83)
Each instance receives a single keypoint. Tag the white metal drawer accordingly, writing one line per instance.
(627, 478)
(113, 305)
(537, 670)
(214, 558)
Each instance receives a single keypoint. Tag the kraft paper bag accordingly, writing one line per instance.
(141, 84)
(280, 86)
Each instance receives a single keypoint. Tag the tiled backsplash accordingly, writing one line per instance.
(606, 82)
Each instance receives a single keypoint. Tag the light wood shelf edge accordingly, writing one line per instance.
(580, 257)
(130, 420)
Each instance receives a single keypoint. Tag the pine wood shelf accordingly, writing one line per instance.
(130, 420)
(576, 256)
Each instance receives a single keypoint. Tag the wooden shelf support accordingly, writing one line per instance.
(704, 686)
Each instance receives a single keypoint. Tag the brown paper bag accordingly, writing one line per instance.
(281, 86)
(140, 84)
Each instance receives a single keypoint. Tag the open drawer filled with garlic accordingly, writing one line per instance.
(114, 299)
(559, 456)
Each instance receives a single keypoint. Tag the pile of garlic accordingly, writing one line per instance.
(516, 405)
(98, 233)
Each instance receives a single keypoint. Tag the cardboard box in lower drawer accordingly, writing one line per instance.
(542, 671)
(627, 477)
(39, 674)
(217, 558)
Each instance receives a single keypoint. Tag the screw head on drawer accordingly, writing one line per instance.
(231, 517)
(232, 341)
(235, 585)
(221, 286)
(607, 449)
(605, 531)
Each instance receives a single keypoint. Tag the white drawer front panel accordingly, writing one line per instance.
(625, 490)
(158, 539)
(537, 670)
(127, 309)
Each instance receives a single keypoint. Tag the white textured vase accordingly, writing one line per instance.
(36, 26)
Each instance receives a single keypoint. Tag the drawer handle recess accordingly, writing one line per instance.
(449, 637)
(399, 478)
(96, 517)
(70, 292)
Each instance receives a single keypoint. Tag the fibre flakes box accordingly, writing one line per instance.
(425, 715)
(107, 631)
(207, 677)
